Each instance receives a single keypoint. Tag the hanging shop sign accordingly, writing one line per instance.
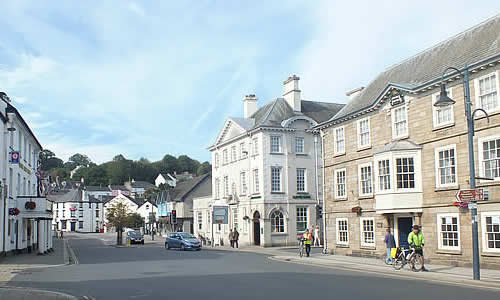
(14, 157)
(30, 205)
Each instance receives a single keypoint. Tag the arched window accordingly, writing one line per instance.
(277, 221)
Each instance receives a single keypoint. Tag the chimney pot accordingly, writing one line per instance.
(353, 93)
(292, 93)
(249, 105)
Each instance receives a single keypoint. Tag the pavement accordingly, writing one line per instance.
(11, 266)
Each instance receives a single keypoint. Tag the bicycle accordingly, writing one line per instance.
(408, 256)
(302, 248)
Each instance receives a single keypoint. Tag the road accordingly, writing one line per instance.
(151, 272)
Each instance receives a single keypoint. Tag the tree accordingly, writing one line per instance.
(80, 160)
(135, 221)
(48, 160)
(187, 164)
(204, 168)
(119, 216)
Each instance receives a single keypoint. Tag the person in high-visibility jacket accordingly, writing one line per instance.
(307, 236)
(416, 241)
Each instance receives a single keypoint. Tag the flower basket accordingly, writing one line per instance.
(356, 209)
(14, 211)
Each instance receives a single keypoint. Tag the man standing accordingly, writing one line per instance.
(317, 238)
(307, 236)
(416, 241)
(389, 243)
(231, 238)
(236, 236)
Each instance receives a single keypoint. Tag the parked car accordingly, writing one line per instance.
(135, 237)
(182, 240)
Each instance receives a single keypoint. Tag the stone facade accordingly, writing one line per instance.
(427, 201)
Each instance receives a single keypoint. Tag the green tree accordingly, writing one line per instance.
(135, 220)
(204, 168)
(187, 164)
(119, 216)
(48, 160)
(80, 160)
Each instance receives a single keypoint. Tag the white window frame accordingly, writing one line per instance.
(337, 221)
(437, 167)
(415, 171)
(235, 214)
(378, 176)
(280, 225)
(243, 183)
(338, 151)
(280, 172)
(243, 150)
(477, 91)
(360, 187)
(362, 232)
(439, 231)
(216, 158)
(335, 189)
(217, 188)
(256, 181)
(480, 146)
(200, 220)
(304, 190)
(225, 157)
(234, 155)
(302, 143)
(225, 183)
(484, 233)
(255, 143)
(436, 110)
(304, 214)
(280, 143)
(393, 119)
(359, 133)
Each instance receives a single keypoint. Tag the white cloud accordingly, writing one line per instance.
(136, 9)
(30, 68)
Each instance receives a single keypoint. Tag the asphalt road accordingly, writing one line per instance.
(151, 272)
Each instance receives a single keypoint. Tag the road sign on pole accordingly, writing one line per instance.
(470, 195)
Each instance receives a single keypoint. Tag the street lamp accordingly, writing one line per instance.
(442, 101)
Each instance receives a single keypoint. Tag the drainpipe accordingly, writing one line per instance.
(4, 196)
(316, 167)
(325, 243)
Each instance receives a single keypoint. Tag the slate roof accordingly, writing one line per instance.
(467, 48)
(93, 199)
(97, 188)
(67, 195)
(141, 184)
(118, 188)
(181, 191)
(246, 124)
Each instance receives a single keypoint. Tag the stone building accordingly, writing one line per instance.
(265, 169)
(393, 160)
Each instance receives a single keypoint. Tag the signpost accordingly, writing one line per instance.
(220, 215)
(470, 195)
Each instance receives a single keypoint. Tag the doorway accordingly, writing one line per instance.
(73, 226)
(256, 228)
(404, 229)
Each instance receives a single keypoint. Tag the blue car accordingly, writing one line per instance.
(182, 240)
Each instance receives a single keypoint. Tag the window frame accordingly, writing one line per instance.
(480, 146)
(438, 168)
(359, 133)
(281, 222)
(304, 190)
(393, 119)
(484, 215)
(216, 160)
(280, 172)
(217, 188)
(360, 179)
(336, 140)
(303, 145)
(337, 230)
(304, 215)
(344, 196)
(255, 143)
(225, 157)
(243, 183)
(256, 181)
(280, 143)
(477, 90)
(415, 178)
(234, 155)
(439, 231)
(378, 176)
(436, 110)
(243, 149)
(362, 231)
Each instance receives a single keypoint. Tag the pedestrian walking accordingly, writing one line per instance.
(231, 238)
(62, 235)
(236, 236)
(317, 238)
(389, 243)
(307, 237)
(311, 231)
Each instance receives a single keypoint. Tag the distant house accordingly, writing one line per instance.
(181, 197)
(99, 192)
(166, 179)
(147, 209)
(129, 202)
(119, 189)
(138, 188)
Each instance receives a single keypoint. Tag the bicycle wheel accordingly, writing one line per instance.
(399, 262)
(301, 250)
(417, 262)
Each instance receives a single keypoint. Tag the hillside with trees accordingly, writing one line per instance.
(119, 169)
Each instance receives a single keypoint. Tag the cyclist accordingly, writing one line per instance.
(416, 241)
(307, 236)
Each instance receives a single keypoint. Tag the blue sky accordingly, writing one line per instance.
(146, 78)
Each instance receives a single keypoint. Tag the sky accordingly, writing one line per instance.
(147, 78)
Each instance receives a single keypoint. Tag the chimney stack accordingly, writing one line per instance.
(249, 105)
(352, 94)
(292, 93)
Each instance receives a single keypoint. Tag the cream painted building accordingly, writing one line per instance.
(393, 160)
(265, 168)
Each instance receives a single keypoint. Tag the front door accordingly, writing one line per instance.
(404, 229)
(73, 226)
(256, 228)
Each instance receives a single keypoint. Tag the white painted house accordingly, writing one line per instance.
(25, 214)
(165, 179)
(120, 198)
(266, 167)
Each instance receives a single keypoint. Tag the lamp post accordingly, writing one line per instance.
(444, 101)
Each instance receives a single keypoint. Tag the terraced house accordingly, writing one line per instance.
(392, 159)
